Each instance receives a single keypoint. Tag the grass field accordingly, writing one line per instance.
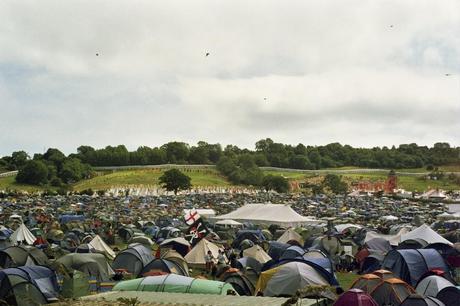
(211, 177)
(9, 183)
(205, 177)
(411, 183)
(346, 279)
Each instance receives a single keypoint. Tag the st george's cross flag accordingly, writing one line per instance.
(191, 216)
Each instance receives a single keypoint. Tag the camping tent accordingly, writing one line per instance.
(240, 282)
(418, 300)
(21, 235)
(163, 265)
(176, 257)
(391, 292)
(410, 265)
(289, 235)
(268, 213)
(424, 232)
(432, 284)
(199, 251)
(174, 283)
(100, 246)
(178, 244)
(95, 265)
(257, 252)
(355, 297)
(16, 256)
(133, 259)
(28, 285)
(367, 282)
(286, 279)
(449, 296)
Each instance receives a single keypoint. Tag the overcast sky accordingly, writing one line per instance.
(364, 73)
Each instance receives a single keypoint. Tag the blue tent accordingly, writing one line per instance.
(255, 236)
(70, 218)
(37, 283)
(293, 252)
(276, 249)
(410, 265)
(133, 259)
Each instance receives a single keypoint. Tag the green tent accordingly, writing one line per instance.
(92, 264)
(175, 283)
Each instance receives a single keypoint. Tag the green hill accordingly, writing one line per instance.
(207, 176)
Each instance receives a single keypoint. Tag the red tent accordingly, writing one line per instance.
(355, 297)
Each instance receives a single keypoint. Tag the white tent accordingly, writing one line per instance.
(258, 253)
(203, 212)
(99, 245)
(268, 213)
(196, 255)
(394, 240)
(22, 234)
(229, 223)
(341, 227)
(290, 234)
(425, 232)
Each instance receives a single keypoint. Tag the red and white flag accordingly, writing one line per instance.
(191, 216)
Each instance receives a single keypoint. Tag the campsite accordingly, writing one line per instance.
(243, 247)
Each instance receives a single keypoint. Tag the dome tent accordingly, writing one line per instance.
(163, 265)
(355, 297)
(16, 256)
(174, 283)
(241, 284)
(450, 296)
(432, 284)
(286, 279)
(95, 265)
(391, 292)
(367, 282)
(411, 265)
(418, 300)
(133, 259)
(28, 285)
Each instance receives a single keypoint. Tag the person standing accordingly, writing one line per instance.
(209, 260)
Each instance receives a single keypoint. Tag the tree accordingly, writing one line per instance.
(335, 184)
(19, 158)
(34, 172)
(174, 180)
(276, 182)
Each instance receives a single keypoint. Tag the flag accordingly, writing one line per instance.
(191, 216)
(196, 232)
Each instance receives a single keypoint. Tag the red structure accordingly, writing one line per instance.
(387, 186)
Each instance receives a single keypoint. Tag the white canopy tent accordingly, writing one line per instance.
(268, 213)
(229, 223)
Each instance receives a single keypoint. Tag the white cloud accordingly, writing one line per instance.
(364, 73)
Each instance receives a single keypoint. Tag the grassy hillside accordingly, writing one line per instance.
(205, 177)
(211, 177)
(9, 183)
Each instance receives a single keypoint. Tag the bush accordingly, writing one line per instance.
(34, 172)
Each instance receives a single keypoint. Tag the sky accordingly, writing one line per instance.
(363, 73)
